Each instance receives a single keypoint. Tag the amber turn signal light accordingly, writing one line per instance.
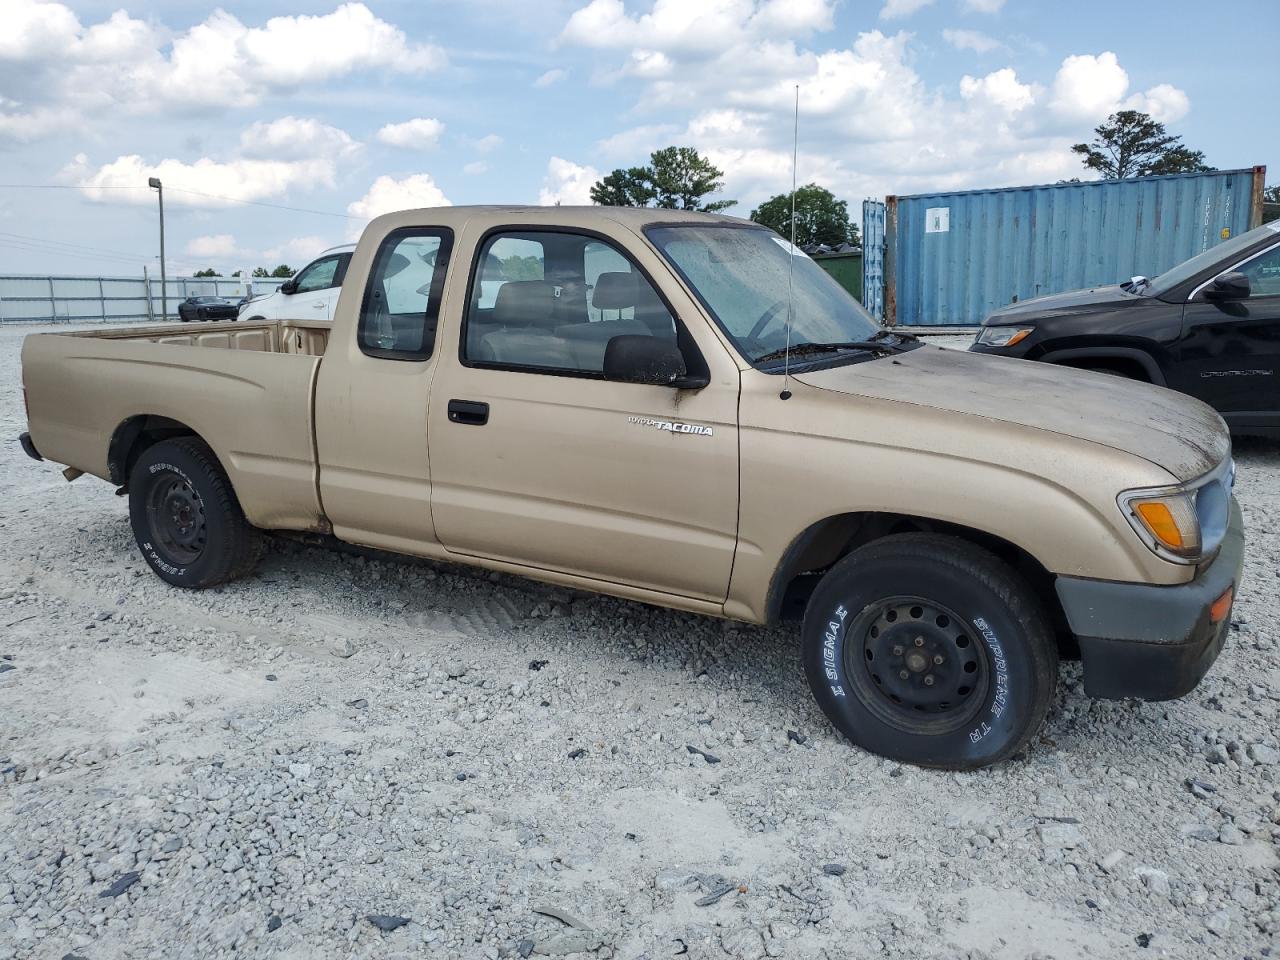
(1222, 606)
(1159, 520)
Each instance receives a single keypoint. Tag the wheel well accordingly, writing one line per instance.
(134, 436)
(828, 541)
(1123, 366)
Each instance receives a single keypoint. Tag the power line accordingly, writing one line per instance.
(75, 246)
(26, 248)
(63, 186)
(263, 203)
(194, 193)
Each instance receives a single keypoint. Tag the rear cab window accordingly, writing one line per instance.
(401, 304)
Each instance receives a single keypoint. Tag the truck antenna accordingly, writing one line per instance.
(791, 254)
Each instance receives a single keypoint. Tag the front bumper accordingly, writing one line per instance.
(1152, 642)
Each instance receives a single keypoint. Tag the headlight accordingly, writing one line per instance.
(1003, 336)
(1183, 523)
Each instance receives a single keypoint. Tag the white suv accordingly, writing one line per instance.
(311, 294)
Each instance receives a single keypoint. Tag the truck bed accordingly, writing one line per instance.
(250, 397)
(307, 337)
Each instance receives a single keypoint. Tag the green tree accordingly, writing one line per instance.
(625, 188)
(820, 217)
(1271, 203)
(206, 272)
(237, 273)
(261, 272)
(677, 178)
(283, 270)
(517, 267)
(1131, 144)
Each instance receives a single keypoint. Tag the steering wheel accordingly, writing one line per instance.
(766, 318)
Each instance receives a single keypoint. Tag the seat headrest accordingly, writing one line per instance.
(526, 303)
(614, 291)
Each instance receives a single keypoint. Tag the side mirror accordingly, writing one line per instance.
(638, 359)
(1229, 286)
(289, 286)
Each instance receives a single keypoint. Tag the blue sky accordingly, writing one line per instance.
(350, 110)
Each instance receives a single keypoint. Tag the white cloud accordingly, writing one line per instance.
(292, 138)
(567, 183)
(702, 27)
(974, 40)
(204, 183)
(297, 251)
(475, 168)
(1000, 89)
(222, 61)
(33, 29)
(422, 133)
(870, 123)
(387, 195)
(1164, 102)
(487, 143)
(223, 251)
(72, 74)
(637, 142)
(551, 77)
(1088, 88)
(895, 9)
(984, 6)
(273, 159)
(218, 246)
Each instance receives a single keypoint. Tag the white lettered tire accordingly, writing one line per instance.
(930, 650)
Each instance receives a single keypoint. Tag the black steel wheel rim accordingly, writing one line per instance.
(175, 514)
(917, 665)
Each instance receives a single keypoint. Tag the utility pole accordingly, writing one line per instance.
(155, 184)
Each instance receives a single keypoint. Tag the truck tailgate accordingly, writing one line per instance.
(254, 409)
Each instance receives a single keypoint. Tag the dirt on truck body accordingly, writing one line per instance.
(684, 409)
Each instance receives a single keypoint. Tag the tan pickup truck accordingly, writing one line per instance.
(683, 409)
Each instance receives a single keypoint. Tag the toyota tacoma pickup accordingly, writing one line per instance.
(683, 409)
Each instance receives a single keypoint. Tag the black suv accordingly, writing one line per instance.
(1209, 327)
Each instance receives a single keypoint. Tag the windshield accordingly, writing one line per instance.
(741, 276)
(1225, 251)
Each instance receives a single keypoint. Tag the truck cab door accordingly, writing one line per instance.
(1230, 352)
(372, 395)
(539, 460)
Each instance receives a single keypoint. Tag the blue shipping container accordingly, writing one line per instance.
(952, 258)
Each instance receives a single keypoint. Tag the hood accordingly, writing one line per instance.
(1184, 436)
(1057, 303)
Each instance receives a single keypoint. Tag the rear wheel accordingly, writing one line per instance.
(185, 516)
(930, 650)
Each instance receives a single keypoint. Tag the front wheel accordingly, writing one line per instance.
(186, 518)
(930, 650)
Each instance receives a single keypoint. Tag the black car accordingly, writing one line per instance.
(206, 308)
(1209, 327)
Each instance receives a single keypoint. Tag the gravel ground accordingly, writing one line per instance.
(353, 757)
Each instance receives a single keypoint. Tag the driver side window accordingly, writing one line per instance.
(1264, 274)
(319, 276)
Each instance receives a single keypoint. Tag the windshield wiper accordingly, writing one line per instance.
(876, 345)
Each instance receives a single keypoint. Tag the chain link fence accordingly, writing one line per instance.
(32, 299)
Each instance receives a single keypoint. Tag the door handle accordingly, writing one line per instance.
(319, 305)
(470, 412)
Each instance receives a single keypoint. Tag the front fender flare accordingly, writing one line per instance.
(1140, 357)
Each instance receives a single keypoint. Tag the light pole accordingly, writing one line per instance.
(154, 184)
